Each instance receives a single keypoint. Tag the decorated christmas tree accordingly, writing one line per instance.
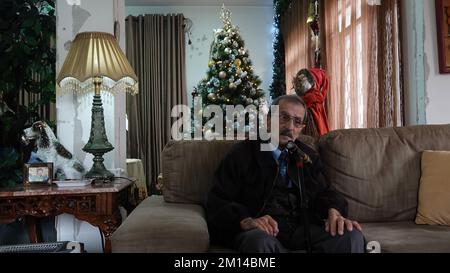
(230, 79)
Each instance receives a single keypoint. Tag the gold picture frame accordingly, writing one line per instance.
(38, 173)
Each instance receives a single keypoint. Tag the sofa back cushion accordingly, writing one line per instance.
(188, 168)
(378, 170)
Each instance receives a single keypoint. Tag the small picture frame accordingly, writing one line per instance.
(38, 173)
(443, 34)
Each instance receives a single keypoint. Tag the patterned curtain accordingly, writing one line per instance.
(364, 63)
(299, 52)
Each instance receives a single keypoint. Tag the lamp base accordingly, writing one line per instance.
(98, 143)
(98, 170)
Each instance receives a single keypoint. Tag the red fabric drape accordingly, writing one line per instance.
(315, 99)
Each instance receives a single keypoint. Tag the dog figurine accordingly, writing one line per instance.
(50, 150)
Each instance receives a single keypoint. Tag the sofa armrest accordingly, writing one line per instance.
(158, 226)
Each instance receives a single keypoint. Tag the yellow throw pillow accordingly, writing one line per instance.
(434, 191)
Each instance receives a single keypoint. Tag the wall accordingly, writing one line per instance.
(437, 86)
(426, 91)
(74, 111)
(255, 24)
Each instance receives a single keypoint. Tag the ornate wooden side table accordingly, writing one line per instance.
(97, 204)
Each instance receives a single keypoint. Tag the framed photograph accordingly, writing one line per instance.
(443, 34)
(38, 173)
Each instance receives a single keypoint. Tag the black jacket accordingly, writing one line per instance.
(244, 181)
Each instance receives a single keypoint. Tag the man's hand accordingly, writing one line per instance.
(265, 223)
(337, 222)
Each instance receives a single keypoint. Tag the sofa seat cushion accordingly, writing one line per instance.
(407, 237)
(158, 226)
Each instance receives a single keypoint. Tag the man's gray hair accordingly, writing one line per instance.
(294, 99)
(290, 98)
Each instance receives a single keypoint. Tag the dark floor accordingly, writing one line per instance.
(16, 232)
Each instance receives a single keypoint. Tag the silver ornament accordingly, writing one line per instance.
(222, 75)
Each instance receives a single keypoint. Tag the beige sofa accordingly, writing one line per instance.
(377, 170)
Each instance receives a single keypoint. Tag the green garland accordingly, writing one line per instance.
(278, 86)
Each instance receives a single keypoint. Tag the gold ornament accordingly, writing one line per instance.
(232, 86)
(211, 63)
(237, 62)
(212, 97)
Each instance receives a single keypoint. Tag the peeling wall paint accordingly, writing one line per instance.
(427, 93)
(413, 53)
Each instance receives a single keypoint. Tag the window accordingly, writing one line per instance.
(363, 62)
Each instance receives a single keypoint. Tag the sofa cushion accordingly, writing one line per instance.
(407, 237)
(157, 226)
(434, 190)
(378, 170)
(188, 168)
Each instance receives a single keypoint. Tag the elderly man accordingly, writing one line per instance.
(254, 206)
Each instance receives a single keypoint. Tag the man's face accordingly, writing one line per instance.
(291, 117)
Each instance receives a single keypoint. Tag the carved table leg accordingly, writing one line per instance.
(107, 244)
(107, 227)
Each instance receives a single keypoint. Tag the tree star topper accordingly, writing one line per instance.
(225, 15)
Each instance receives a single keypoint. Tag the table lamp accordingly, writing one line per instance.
(95, 62)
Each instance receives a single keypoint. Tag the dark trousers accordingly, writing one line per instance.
(258, 241)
